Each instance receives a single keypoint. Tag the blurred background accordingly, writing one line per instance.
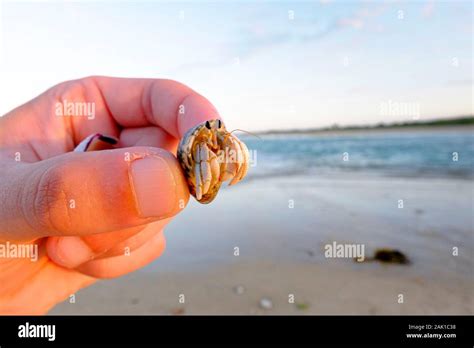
(265, 65)
(363, 112)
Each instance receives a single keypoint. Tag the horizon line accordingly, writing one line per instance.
(448, 121)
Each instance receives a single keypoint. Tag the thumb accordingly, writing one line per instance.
(91, 192)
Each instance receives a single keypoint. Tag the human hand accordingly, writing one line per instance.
(83, 211)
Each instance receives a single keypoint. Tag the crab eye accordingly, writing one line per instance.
(208, 125)
(219, 124)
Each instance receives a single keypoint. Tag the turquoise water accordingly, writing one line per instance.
(404, 153)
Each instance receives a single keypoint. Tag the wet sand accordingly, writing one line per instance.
(317, 290)
(281, 252)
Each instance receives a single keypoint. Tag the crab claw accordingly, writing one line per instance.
(206, 170)
(206, 174)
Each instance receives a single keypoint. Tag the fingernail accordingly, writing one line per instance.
(72, 251)
(154, 186)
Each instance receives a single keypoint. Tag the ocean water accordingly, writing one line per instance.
(255, 214)
(434, 153)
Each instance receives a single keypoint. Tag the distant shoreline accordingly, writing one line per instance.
(366, 131)
(461, 123)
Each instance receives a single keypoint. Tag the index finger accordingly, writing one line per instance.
(116, 103)
(168, 104)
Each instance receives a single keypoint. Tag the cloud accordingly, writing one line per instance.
(255, 38)
(355, 23)
(306, 31)
(428, 9)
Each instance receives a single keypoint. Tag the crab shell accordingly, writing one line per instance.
(210, 155)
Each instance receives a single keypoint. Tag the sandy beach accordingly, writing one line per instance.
(281, 251)
(346, 129)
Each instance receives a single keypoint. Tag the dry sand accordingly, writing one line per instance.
(317, 289)
(281, 252)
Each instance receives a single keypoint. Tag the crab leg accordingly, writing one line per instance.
(228, 171)
(245, 163)
(215, 171)
(206, 173)
(197, 173)
(229, 168)
(239, 159)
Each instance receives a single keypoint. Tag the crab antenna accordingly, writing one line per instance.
(241, 130)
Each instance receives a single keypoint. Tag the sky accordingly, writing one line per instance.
(264, 65)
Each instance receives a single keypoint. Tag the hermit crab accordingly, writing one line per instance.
(208, 154)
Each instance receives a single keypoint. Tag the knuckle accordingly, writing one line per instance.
(49, 203)
(73, 89)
